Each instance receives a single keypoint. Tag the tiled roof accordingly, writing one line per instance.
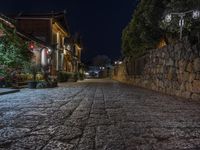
(59, 17)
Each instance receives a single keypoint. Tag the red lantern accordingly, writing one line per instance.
(31, 45)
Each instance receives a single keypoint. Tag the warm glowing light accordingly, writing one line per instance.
(69, 47)
(86, 73)
(31, 45)
(49, 51)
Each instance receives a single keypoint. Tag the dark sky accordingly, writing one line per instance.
(100, 22)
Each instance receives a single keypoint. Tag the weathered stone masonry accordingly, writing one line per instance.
(173, 69)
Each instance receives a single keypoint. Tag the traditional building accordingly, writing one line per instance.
(10, 26)
(78, 47)
(52, 29)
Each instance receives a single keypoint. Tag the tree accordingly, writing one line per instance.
(13, 50)
(146, 28)
(143, 32)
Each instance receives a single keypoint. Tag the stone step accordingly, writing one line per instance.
(4, 91)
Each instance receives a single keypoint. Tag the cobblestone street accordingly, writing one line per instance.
(97, 115)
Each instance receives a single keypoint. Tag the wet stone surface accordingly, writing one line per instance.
(97, 115)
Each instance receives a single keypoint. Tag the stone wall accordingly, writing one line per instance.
(174, 69)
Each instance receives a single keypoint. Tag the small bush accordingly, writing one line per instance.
(64, 76)
(76, 76)
(81, 76)
(39, 76)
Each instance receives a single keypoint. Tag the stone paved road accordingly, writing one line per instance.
(97, 115)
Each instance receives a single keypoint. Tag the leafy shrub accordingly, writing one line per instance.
(143, 32)
(76, 76)
(39, 76)
(13, 50)
(64, 76)
(33, 69)
(147, 28)
(81, 76)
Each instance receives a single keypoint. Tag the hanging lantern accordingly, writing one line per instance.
(31, 45)
(181, 23)
(168, 18)
(196, 14)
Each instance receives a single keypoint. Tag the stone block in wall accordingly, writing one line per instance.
(163, 54)
(186, 94)
(175, 85)
(178, 93)
(195, 96)
(160, 84)
(180, 77)
(153, 86)
(177, 55)
(146, 83)
(176, 63)
(195, 50)
(191, 77)
(161, 61)
(187, 44)
(196, 86)
(182, 87)
(172, 54)
(169, 90)
(196, 64)
(197, 76)
(182, 65)
(192, 56)
(178, 47)
(170, 62)
(189, 67)
(186, 76)
(184, 55)
(172, 74)
(189, 87)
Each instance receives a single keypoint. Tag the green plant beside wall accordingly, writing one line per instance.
(33, 69)
(76, 76)
(81, 76)
(143, 32)
(64, 76)
(13, 50)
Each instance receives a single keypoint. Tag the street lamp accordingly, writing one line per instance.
(118, 62)
(181, 15)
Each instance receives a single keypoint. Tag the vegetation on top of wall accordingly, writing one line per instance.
(143, 32)
(147, 28)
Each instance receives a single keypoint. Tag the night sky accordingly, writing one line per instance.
(100, 22)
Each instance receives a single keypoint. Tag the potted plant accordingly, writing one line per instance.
(33, 69)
